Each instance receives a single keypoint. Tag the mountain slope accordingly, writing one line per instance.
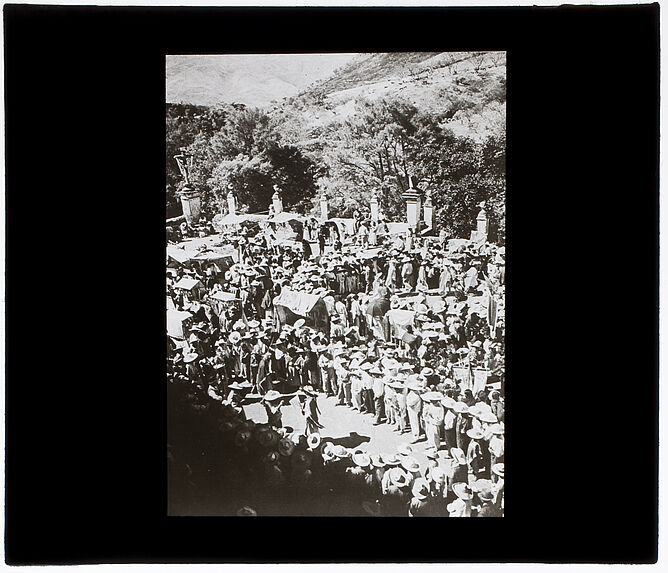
(254, 80)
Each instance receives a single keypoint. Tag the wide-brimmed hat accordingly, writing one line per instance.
(299, 323)
(308, 390)
(488, 418)
(286, 447)
(420, 488)
(462, 491)
(246, 512)
(391, 459)
(313, 440)
(190, 357)
(432, 396)
(498, 469)
(234, 337)
(475, 434)
(377, 461)
(241, 386)
(410, 464)
(497, 429)
(460, 408)
(399, 477)
(404, 449)
(427, 372)
(340, 451)
(272, 396)
(481, 485)
(327, 452)
(361, 459)
(448, 402)
(266, 437)
(458, 456)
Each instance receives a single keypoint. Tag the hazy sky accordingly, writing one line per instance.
(246, 78)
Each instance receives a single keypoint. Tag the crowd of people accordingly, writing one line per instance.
(410, 332)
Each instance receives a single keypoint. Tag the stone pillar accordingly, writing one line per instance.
(231, 203)
(190, 201)
(277, 202)
(483, 222)
(428, 213)
(374, 209)
(413, 204)
(324, 208)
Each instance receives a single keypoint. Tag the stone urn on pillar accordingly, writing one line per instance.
(276, 201)
(413, 198)
(190, 197)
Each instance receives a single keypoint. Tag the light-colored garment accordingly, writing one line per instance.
(459, 508)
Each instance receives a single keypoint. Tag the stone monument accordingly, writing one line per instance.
(190, 197)
(276, 201)
(413, 198)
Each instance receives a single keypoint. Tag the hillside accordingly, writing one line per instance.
(467, 88)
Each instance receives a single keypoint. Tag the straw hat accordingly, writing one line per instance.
(340, 452)
(410, 464)
(326, 451)
(246, 512)
(448, 402)
(313, 440)
(497, 429)
(399, 477)
(361, 459)
(462, 491)
(286, 447)
(488, 418)
(432, 396)
(377, 461)
(190, 357)
(299, 323)
(498, 469)
(272, 396)
(475, 434)
(460, 408)
(308, 390)
(391, 459)
(481, 485)
(404, 449)
(234, 337)
(420, 488)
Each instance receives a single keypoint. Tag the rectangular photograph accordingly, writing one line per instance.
(335, 272)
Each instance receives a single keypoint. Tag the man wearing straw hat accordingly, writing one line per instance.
(433, 415)
(413, 407)
(378, 389)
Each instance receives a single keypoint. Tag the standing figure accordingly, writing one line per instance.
(310, 410)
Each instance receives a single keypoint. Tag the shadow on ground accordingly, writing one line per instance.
(352, 440)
